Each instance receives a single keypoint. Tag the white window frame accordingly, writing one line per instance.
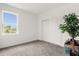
(3, 22)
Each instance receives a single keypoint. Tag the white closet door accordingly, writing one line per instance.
(45, 29)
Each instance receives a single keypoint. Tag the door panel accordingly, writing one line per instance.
(45, 30)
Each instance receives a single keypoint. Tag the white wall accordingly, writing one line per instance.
(55, 17)
(30, 23)
(27, 27)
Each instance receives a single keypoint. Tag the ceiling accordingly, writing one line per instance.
(36, 8)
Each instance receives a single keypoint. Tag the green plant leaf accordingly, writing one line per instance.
(70, 25)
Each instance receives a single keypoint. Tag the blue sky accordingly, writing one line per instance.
(10, 19)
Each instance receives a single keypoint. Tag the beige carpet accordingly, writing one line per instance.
(36, 48)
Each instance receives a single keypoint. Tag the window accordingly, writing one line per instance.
(10, 23)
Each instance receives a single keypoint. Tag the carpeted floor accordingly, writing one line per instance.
(36, 48)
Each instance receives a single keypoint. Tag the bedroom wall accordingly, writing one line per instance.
(27, 27)
(30, 25)
(55, 17)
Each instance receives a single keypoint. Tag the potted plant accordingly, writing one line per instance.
(70, 25)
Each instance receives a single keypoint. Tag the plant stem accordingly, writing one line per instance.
(73, 38)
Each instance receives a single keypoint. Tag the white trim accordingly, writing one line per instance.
(17, 32)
